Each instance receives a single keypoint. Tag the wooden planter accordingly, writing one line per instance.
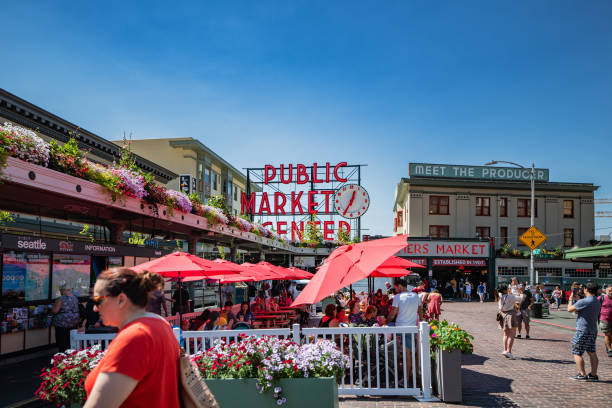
(446, 375)
(299, 392)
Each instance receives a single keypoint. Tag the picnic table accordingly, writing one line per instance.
(268, 318)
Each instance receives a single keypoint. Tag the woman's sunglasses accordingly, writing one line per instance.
(97, 300)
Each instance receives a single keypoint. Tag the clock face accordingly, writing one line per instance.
(351, 201)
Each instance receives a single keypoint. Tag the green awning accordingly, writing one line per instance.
(600, 251)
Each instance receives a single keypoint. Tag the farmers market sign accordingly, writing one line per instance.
(474, 172)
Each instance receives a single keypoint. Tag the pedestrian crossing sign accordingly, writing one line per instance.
(533, 238)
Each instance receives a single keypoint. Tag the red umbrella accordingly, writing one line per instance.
(300, 274)
(394, 267)
(261, 272)
(349, 264)
(397, 262)
(181, 265)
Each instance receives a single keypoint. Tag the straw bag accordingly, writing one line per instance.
(193, 391)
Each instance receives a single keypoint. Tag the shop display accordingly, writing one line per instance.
(40, 317)
(13, 320)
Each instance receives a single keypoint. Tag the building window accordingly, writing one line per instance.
(483, 206)
(568, 208)
(438, 205)
(215, 181)
(503, 232)
(438, 231)
(483, 232)
(207, 175)
(605, 273)
(512, 270)
(579, 273)
(523, 207)
(568, 237)
(546, 272)
(235, 193)
(521, 231)
(503, 207)
(400, 218)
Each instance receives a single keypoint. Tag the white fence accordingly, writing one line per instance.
(382, 360)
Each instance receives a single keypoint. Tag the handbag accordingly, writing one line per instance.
(193, 391)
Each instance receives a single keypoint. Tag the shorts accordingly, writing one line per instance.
(524, 316)
(582, 342)
(408, 342)
(605, 327)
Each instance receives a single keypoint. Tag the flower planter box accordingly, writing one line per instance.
(446, 375)
(299, 392)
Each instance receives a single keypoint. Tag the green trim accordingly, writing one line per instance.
(589, 252)
(501, 185)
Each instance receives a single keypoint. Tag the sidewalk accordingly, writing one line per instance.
(21, 379)
(539, 377)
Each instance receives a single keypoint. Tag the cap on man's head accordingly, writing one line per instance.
(400, 281)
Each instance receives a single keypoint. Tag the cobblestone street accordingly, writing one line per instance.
(539, 377)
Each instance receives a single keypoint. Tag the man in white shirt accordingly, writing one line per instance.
(407, 309)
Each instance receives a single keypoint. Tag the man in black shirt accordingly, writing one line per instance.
(184, 298)
(525, 307)
(252, 291)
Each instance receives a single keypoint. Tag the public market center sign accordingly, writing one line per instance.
(474, 172)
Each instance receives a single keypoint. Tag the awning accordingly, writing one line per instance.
(599, 253)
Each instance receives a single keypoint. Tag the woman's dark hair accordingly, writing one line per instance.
(248, 307)
(204, 315)
(379, 292)
(352, 304)
(136, 286)
(330, 310)
(339, 309)
(502, 288)
(212, 318)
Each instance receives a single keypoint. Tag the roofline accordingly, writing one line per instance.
(24, 113)
(502, 184)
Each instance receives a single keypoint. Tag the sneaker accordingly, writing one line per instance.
(518, 336)
(579, 377)
(609, 353)
(592, 378)
(510, 356)
(505, 354)
(527, 337)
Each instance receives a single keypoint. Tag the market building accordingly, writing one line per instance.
(58, 229)
(457, 203)
(201, 170)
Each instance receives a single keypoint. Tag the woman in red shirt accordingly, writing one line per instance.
(140, 366)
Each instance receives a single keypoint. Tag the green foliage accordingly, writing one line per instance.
(449, 336)
(86, 233)
(356, 240)
(222, 252)
(343, 236)
(6, 217)
(312, 234)
(195, 198)
(218, 202)
(68, 158)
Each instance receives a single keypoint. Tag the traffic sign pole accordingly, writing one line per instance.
(531, 270)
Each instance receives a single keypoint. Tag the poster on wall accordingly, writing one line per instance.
(72, 270)
(25, 276)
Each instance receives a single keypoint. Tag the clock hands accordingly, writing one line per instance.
(350, 203)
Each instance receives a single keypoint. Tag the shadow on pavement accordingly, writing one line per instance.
(473, 359)
(548, 340)
(479, 390)
(539, 360)
(20, 380)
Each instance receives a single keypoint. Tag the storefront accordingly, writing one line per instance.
(445, 259)
(34, 268)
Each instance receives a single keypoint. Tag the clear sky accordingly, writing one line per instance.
(383, 83)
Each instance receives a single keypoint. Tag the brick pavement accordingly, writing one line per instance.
(539, 377)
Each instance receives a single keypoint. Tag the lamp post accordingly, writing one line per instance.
(492, 162)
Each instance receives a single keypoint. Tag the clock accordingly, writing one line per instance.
(351, 201)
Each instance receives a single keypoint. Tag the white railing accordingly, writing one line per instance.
(378, 363)
(81, 340)
(196, 341)
(382, 360)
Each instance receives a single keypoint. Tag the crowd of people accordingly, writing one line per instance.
(593, 311)
(376, 309)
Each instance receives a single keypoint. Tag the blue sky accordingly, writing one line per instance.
(383, 83)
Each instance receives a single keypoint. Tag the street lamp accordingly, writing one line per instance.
(491, 163)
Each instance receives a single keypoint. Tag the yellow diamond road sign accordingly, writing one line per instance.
(533, 238)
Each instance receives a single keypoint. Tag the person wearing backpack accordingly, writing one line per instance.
(605, 317)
